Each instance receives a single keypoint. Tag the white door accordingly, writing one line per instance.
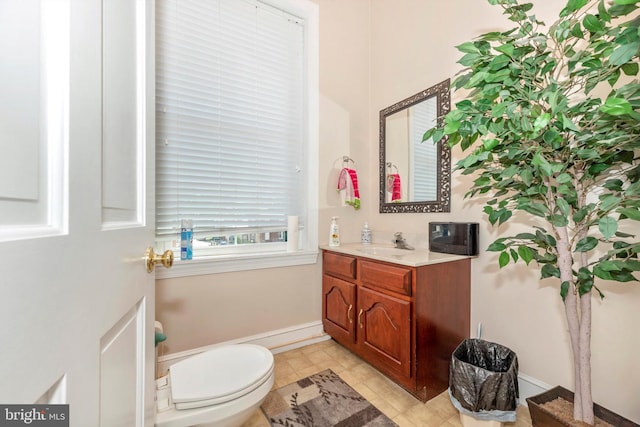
(76, 208)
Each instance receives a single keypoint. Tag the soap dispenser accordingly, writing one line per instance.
(365, 235)
(334, 232)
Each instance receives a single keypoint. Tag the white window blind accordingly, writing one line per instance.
(424, 174)
(230, 117)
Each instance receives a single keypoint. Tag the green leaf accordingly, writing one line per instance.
(574, 5)
(468, 47)
(564, 178)
(623, 2)
(564, 289)
(568, 124)
(541, 121)
(508, 49)
(559, 220)
(585, 281)
(526, 253)
(504, 259)
(505, 214)
(609, 266)
(621, 9)
(592, 23)
(564, 207)
(514, 255)
(587, 154)
(542, 163)
(602, 273)
(469, 59)
(602, 12)
(550, 136)
(607, 226)
(616, 107)
(609, 201)
(490, 144)
(624, 53)
(496, 247)
(549, 270)
(630, 69)
(631, 213)
(580, 215)
(525, 236)
(537, 209)
(622, 276)
(613, 184)
(586, 244)
(526, 176)
(499, 62)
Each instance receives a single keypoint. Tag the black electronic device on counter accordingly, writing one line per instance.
(460, 238)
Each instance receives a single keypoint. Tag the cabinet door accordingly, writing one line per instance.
(384, 331)
(338, 309)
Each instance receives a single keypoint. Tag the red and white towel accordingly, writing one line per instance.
(348, 188)
(394, 191)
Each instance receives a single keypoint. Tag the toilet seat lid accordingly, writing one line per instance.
(220, 374)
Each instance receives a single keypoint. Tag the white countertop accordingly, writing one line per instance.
(387, 253)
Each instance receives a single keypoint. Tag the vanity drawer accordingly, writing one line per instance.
(339, 265)
(383, 276)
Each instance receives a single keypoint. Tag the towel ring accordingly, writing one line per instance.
(346, 160)
(391, 165)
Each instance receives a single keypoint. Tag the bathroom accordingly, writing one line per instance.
(362, 71)
(374, 53)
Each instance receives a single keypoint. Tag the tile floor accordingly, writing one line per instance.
(391, 399)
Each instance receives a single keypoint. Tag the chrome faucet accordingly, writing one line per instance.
(400, 242)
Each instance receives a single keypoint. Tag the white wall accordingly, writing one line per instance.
(374, 53)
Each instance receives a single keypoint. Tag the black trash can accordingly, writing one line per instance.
(483, 380)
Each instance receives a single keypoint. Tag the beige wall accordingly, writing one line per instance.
(413, 49)
(374, 53)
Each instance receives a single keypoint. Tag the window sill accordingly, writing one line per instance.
(236, 262)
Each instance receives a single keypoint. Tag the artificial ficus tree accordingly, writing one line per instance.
(550, 125)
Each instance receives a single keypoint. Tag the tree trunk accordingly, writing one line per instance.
(565, 264)
(586, 399)
(583, 387)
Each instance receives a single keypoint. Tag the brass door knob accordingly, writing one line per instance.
(151, 259)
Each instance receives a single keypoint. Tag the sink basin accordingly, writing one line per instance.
(384, 251)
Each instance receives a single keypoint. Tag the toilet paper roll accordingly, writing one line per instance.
(292, 233)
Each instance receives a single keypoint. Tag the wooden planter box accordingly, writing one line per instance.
(540, 417)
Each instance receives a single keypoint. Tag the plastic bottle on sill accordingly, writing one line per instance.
(186, 239)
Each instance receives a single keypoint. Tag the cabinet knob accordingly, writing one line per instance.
(349, 313)
(359, 316)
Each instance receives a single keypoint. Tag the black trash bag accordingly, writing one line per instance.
(483, 376)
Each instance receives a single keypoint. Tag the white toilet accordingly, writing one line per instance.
(220, 387)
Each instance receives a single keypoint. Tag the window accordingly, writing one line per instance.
(236, 130)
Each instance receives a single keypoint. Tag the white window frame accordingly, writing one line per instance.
(308, 254)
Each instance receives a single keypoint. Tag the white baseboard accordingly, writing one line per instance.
(529, 386)
(286, 339)
(277, 341)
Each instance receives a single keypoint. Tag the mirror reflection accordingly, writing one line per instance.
(414, 175)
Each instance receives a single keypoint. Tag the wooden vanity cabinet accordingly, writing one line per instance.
(405, 321)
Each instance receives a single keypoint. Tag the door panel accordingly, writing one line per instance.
(384, 329)
(338, 308)
(34, 83)
(79, 302)
(121, 362)
(123, 103)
